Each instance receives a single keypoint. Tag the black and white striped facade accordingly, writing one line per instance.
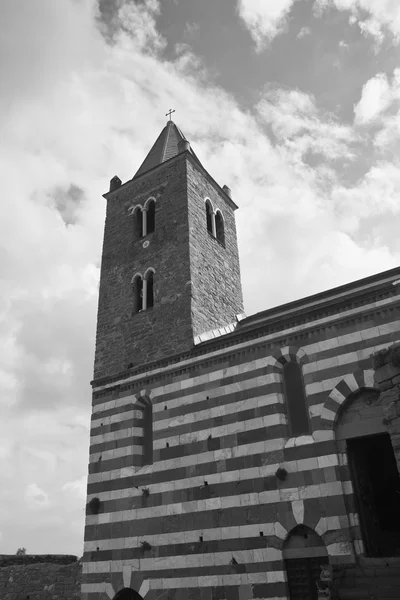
(218, 424)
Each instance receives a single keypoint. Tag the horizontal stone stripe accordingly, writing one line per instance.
(236, 407)
(130, 461)
(258, 471)
(113, 436)
(117, 418)
(193, 509)
(179, 388)
(206, 463)
(192, 419)
(172, 581)
(333, 319)
(254, 481)
(116, 453)
(190, 565)
(200, 401)
(124, 439)
(276, 425)
(217, 539)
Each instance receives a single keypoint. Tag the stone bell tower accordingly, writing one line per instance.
(170, 265)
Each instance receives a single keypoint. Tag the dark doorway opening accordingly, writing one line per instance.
(302, 576)
(127, 594)
(376, 483)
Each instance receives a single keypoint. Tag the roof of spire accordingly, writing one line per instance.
(164, 148)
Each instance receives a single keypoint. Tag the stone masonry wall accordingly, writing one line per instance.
(196, 283)
(123, 337)
(41, 577)
(215, 269)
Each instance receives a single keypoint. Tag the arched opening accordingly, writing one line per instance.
(150, 289)
(304, 553)
(209, 217)
(137, 223)
(127, 594)
(296, 403)
(362, 435)
(137, 293)
(151, 216)
(219, 227)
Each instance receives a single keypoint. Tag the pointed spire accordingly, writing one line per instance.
(169, 143)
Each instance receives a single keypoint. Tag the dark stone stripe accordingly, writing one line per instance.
(201, 520)
(127, 424)
(114, 444)
(100, 466)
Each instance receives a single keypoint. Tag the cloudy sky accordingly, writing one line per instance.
(295, 104)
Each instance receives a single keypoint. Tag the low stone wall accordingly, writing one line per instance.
(40, 577)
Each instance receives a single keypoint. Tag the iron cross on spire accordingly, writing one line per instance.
(169, 113)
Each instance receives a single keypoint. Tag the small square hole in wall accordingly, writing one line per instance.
(261, 534)
(201, 538)
(206, 483)
(167, 445)
(208, 397)
(165, 407)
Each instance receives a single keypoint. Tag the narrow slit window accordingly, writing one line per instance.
(295, 399)
(150, 290)
(148, 434)
(209, 216)
(138, 223)
(151, 216)
(219, 226)
(137, 294)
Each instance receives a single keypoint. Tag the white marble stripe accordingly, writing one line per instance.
(364, 334)
(267, 497)
(195, 560)
(116, 566)
(204, 457)
(117, 418)
(116, 453)
(306, 464)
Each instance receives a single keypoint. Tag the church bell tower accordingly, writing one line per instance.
(170, 265)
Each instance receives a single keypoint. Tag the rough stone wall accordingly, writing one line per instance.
(215, 269)
(42, 577)
(196, 283)
(387, 378)
(124, 338)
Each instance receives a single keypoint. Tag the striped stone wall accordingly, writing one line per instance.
(220, 432)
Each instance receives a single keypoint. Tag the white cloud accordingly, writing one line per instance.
(71, 118)
(35, 497)
(383, 15)
(304, 31)
(264, 19)
(375, 98)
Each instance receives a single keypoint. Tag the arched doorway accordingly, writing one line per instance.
(361, 433)
(304, 553)
(127, 594)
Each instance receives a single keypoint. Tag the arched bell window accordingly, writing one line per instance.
(149, 279)
(150, 209)
(137, 223)
(295, 399)
(210, 217)
(137, 293)
(219, 227)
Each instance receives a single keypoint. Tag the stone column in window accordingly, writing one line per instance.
(144, 289)
(144, 213)
(213, 226)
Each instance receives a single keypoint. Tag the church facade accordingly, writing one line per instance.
(233, 457)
